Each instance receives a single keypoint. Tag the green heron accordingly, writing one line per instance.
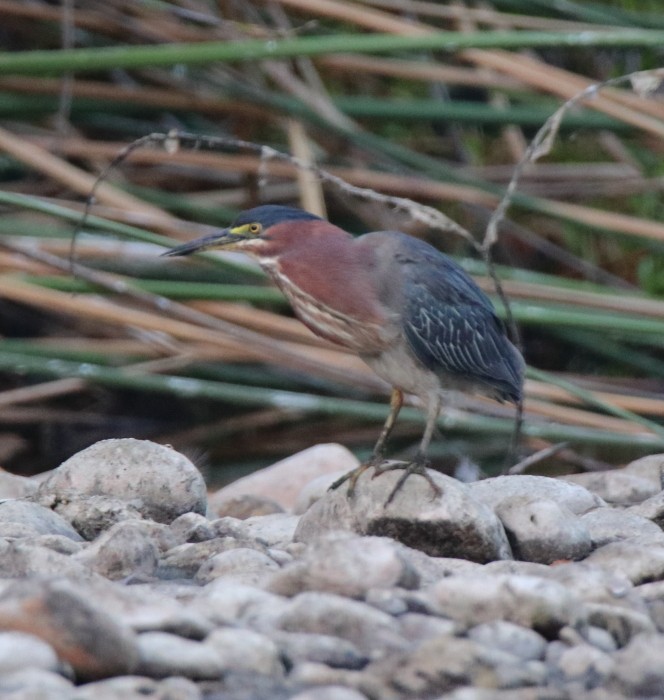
(409, 311)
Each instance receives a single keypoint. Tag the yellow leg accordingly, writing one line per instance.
(396, 402)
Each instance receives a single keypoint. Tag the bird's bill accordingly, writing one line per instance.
(221, 239)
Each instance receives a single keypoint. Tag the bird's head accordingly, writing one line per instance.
(261, 231)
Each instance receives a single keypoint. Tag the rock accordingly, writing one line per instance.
(283, 481)
(641, 559)
(298, 647)
(596, 585)
(82, 635)
(650, 467)
(162, 655)
(584, 666)
(329, 692)
(621, 623)
(58, 543)
(19, 650)
(91, 515)
(506, 636)
(226, 602)
(23, 561)
(35, 683)
(191, 527)
(243, 565)
(245, 650)
(540, 530)
(135, 687)
(242, 507)
(13, 486)
(616, 486)
(439, 665)
(122, 551)
(158, 481)
(39, 520)
(185, 560)
(638, 669)
(416, 627)
(432, 569)
(652, 509)
(545, 606)
(495, 490)
(611, 524)
(372, 631)
(275, 530)
(452, 525)
(346, 565)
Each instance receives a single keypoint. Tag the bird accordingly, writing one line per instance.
(408, 310)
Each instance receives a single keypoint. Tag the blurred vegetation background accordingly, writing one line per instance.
(431, 101)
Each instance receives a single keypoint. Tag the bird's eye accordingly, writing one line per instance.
(254, 228)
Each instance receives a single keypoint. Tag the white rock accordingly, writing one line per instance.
(19, 650)
(245, 650)
(283, 481)
(243, 565)
(162, 654)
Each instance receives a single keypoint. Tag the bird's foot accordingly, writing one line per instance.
(417, 466)
(354, 474)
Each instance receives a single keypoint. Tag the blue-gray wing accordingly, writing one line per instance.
(452, 328)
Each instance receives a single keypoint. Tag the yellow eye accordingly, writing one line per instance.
(254, 228)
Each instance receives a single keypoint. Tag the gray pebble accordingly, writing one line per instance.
(616, 486)
(38, 519)
(162, 655)
(19, 650)
(241, 564)
(638, 669)
(452, 525)
(610, 524)
(506, 636)
(160, 482)
(542, 530)
(299, 647)
(246, 650)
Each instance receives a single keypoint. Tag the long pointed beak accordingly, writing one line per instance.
(214, 240)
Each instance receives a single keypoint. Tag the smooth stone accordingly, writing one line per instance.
(91, 515)
(597, 585)
(440, 665)
(84, 636)
(611, 524)
(226, 602)
(506, 636)
(276, 530)
(242, 564)
(137, 687)
(650, 467)
(160, 482)
(246, 650)
(542, 531)
(19, 650)
(638, 670)
(452, 525)
(495, 490)
(57, 543)
(416, 627)
(23, 561)
(35, 684)
(40, 520)
(185, 560)
(297, 647)
(13, 486)
(191, 527)
(652, 509)
(122, 551)
(616, 486)
(283, 481)
(371, 630)
(584, 666)
(243, 507)
(545, 606)
(640, 559)
(346, 565)
(432, 569)
(330, 692)
(621, 623)
(162, 654)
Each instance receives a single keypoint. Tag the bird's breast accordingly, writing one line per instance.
(362, 335)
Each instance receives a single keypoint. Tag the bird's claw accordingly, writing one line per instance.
(381, 466)
(417, 466)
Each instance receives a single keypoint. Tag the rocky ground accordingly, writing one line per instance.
(119, 579)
